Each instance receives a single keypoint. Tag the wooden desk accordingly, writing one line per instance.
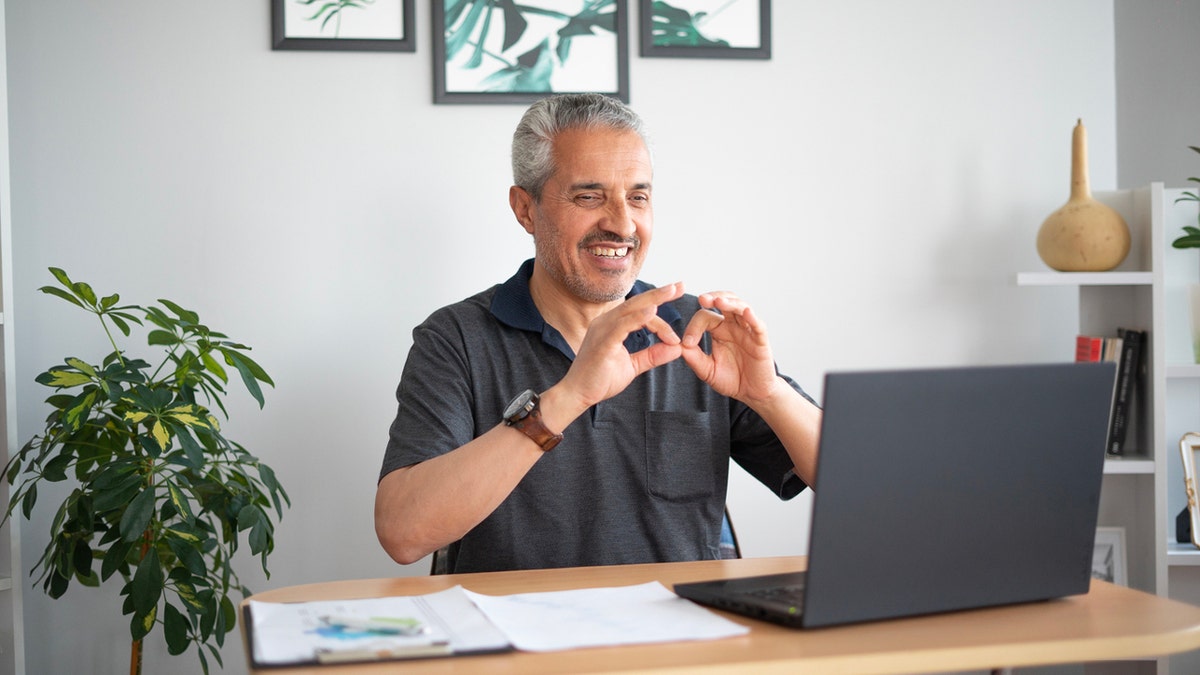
(1109, 623)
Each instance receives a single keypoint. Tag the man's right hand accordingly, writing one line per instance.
(603, 367)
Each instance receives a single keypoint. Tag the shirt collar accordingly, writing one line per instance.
(513, 306)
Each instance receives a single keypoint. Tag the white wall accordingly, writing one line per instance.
(872, 190)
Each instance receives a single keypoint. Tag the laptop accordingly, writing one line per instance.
(940, 490)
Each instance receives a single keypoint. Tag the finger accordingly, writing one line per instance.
(702, 321)
(642, 309)
(723, 301)
(662, 329)
(654, 356)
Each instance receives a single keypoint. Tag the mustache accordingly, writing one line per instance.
(600, 238)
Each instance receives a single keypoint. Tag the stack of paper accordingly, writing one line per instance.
(457, 621)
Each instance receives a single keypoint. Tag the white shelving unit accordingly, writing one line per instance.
(12, 649)
(1143, 491)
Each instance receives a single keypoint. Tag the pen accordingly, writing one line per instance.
(350, 655)
(384, 625)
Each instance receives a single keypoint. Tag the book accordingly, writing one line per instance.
(1129, 374)
(1125, 349)
(1088, 348)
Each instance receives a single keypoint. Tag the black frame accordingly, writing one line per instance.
(441, 95)
(762, 51)
(407, 43)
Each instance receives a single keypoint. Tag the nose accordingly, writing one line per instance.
(619, 219)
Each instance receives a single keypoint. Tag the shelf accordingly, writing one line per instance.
(1183, 371)
(1182, 555)
(1132, 464)
(1085, 278)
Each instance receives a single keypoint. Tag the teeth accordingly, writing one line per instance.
(609, 252)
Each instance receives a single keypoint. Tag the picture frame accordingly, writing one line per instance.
(343, 25)
(1189, 446)
(1108, 556)
(504, 52)
(706, 29)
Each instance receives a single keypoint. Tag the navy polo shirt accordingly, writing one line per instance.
(640, 477)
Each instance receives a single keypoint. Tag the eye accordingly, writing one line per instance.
(587, 199)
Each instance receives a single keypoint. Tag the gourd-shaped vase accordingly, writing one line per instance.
(1084, 235)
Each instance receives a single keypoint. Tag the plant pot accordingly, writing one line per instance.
(1084, 235)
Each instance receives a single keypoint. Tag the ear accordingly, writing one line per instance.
(522, 206)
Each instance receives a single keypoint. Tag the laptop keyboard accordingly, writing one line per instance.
(789, 595)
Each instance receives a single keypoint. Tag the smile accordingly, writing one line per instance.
(609, 252)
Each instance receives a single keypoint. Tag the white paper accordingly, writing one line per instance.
(594, 617)
(290, 633)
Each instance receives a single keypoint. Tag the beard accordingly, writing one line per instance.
(609, 287)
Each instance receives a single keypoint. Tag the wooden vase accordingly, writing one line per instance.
(1084, 235)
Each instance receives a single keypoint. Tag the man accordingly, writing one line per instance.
(635, 398)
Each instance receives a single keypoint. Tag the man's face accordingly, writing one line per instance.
(593, 225)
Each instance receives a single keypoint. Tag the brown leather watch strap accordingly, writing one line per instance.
(532, 426)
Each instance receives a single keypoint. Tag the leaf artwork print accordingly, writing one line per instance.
(532, 47)
(705, 23)
(331, 10)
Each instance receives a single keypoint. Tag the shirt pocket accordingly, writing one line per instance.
(679, 456)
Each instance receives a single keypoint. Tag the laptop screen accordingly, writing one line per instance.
(945, 489)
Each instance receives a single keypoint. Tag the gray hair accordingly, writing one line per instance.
(532, 145)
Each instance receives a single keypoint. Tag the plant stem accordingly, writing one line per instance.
(135, 658)
(111, 340)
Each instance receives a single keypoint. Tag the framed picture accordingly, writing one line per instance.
(706, 29)
(499, 51)
(1108, 557)
(1189, 445)
(343, 25)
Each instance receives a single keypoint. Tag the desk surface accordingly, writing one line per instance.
(1110, 622)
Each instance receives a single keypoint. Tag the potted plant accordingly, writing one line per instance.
(1191, 236)
(162, 497)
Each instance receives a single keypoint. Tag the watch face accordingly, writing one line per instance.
(518, 404)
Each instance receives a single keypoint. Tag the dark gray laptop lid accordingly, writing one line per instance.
(946, 489)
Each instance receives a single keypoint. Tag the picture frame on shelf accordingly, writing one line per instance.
(343, 25)
(1108, 556)
(510, 53)
(706, 29)
(1189, 446)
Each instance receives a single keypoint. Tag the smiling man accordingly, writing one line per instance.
(575, 415)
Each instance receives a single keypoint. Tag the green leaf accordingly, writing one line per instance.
(137, 515)
(110, 300)
(189, 555)
(180, 501)
(249, 516)
(147, 584)
(29, 500)
(61, 276)
(62, 379)
(260, 539)
(250, 373)
(84, 292)
(142, 623)
(184, 314)
(114, 559)
(213, 366)
(59, 293)
(56, 469)
(56, 585)
(162, 337)
(176, 628)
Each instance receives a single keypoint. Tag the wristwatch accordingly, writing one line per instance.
(524, 414)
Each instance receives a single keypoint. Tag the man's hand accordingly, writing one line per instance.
(741, 365)
(603, 367)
